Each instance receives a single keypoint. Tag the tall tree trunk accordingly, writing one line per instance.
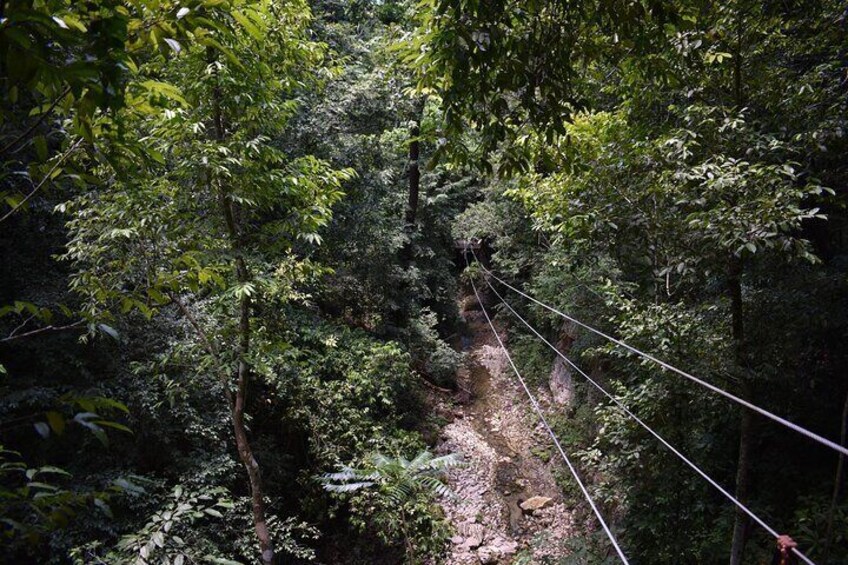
(743, 486)
(746, 424)
(837, 482)
(743, 465)
(238, 400)
(414, 168)
(414, 176)
(400, 314)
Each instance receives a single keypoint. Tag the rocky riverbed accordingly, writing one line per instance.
(506, 503)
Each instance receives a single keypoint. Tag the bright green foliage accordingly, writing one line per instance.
(672, 208)
(77, 65)
(508, 69)
(355, 399)
(210, 271)
(161, 540)
(402, 491)
(172, 237)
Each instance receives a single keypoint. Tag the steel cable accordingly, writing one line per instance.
(635, 418)
(550, 431)
(762, 411)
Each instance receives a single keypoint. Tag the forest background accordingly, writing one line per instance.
(227, 234)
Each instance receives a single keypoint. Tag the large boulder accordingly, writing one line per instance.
(535, 503)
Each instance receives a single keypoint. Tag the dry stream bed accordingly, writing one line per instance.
(496, 433)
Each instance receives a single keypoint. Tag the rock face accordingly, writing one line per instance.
(535, 503)
(561, 381)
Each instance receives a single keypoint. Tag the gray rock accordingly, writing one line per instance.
(561, 383)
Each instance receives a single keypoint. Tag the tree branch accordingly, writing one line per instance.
(208, 344)
(55, 166)
(78, 325)
(37, 123)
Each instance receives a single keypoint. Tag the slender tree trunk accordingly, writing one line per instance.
(414, 168)
(746, 424)
(238, 400)
(837, 482)
(400, 314)
(743, 486)
(414, 176)
(743, 465)
(245, 451)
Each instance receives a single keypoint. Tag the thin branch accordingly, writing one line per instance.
(55, 166)
(210, 346)
(22, 325)
(37, 123)
(78, 325)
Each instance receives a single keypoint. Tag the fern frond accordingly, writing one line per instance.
(421, 460)
(347, 487)
(445, 462)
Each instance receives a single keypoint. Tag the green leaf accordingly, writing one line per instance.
(110, 331)
(174, 45)
(43, 486)
(112, 403)
(208, 41)
(113, 425)
(165, 89)
(53, 470)
(249, 26)
(101, 504)
(221, 560)
(40, 144)
(56, 421)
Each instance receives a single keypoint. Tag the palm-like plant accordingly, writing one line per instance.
(399, 479)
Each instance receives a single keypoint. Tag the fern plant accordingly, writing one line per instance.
(399, 481)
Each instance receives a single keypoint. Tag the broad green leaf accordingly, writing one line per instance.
(56, 421)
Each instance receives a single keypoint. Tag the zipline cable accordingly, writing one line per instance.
(550, 431)
(762, 411)
(659, 438)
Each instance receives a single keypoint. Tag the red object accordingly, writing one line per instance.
(785, 545)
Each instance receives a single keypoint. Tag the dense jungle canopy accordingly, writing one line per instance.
(277, 275)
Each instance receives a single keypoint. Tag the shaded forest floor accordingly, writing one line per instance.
(505, 453)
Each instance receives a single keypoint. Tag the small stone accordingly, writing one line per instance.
(488, 555)
(456, 540)
(508, 547)
(473, 535)
(535, 503)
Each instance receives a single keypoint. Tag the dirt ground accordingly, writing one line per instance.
(495, 431)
